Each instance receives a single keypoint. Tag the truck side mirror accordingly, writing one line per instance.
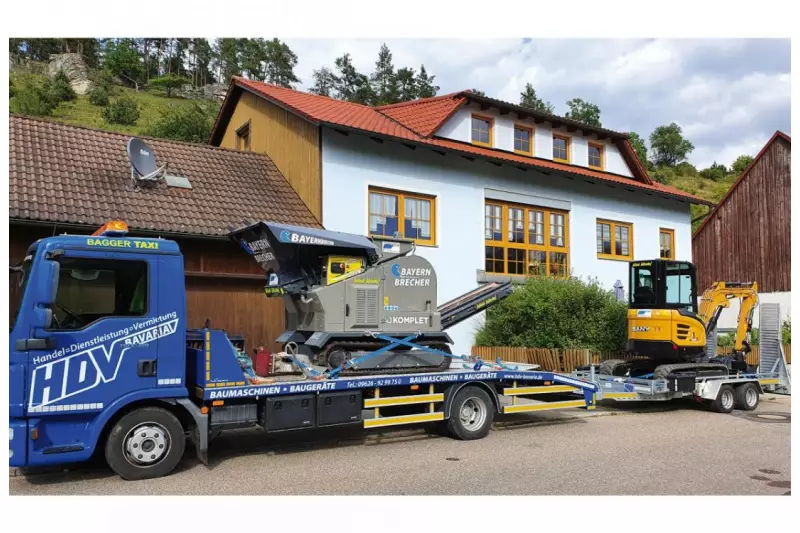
(46, 291)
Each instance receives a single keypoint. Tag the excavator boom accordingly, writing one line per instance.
(719, 296)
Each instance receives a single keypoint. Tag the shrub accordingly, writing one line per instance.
(104, 79)
(33, 95)
(755, 337)
(98, 96)
(557, 313)
(191, 123)
(10, 88)
(124, 110)
(62, 90)
(724, 340)
(168, 82)
(786, 332)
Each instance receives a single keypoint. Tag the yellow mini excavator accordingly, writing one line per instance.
(668, 330)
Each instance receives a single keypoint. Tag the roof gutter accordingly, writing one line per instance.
(91, 227)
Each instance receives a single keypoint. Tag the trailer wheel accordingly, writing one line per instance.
(471, 414)
(146, 443)
(746, 397)
(725, 400)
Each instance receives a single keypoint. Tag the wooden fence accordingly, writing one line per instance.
(567, 360)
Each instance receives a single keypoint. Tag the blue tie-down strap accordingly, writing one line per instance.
(247, 365)
(393, 343)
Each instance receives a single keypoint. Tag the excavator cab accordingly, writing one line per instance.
(663, 321)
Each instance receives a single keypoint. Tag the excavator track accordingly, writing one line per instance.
(369, 346)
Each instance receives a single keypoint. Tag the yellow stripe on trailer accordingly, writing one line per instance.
(403, 400)
(769, 381)
(620, 395)
(405, 419)
(524, 408)
(518, 391)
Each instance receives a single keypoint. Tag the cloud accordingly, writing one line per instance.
(729, 95)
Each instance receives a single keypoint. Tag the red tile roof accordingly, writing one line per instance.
(775, 136)
(72, 175)
(418, 120)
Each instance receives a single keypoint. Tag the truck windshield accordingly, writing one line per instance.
(19, 280)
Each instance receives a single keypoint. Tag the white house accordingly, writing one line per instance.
(489, 190)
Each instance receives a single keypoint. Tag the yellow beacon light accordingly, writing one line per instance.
(112, 227)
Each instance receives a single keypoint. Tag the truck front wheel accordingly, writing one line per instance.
(145, 443)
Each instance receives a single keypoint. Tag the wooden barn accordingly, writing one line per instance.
(66, 179)
(747, 236)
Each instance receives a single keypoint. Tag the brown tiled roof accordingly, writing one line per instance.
(73, 175)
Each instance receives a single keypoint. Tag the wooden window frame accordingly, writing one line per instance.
(671, 233)
(613, 255)
(240, 135)
(526, 246)
(602, 150)
(566, 139)
(490, 120)
(530, 130)
(401, 212)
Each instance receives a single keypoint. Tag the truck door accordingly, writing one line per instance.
(103, 333)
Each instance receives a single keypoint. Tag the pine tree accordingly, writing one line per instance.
(383, 80)
(227, 59)
(424, 83)
(325, 82)
(280, 63)
(252, 57)
(406, 85)
(584, 111)
(352, 86)
(528, 99)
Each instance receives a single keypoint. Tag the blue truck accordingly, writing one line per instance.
(101, 362)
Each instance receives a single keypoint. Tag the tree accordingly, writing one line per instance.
(352, 86)
(583, 111)
(639, 147)
(424, 84)
(668, 145)
(62, 90)
(226, 59)
(477, 92)
(325, 82)
(741, 163)
(121, 58)
(406, 84)
(33, 95)
(280, 62)
(168, 83)
(191, 123)
(383, 79)
(529, 99)
(715, 172)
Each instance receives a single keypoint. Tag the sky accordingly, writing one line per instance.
(728, 95)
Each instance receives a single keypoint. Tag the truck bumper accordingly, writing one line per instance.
(17, 442)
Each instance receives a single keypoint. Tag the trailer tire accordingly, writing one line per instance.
(725, 400)
(746, 397)
(153, 430)
(471, 414)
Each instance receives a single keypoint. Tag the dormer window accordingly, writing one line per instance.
(523, 140)
(596, 156)
(482, 130)
(560, 149)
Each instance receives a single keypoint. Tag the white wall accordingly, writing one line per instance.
(352, 163)
(458, 128)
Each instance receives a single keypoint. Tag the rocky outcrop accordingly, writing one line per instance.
(212, 91)
(74, 67)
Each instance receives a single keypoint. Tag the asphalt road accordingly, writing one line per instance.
(634, 449)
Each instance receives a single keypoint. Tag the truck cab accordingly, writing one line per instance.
(100, 328)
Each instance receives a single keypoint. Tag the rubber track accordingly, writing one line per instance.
(663, 371)
(354, 346)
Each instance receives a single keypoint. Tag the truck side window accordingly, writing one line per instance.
(90, 289)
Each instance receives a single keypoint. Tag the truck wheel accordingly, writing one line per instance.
(725, 400)
(746, 397)
(471, 414)
(144, 444)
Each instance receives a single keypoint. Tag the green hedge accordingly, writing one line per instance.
(557, 313)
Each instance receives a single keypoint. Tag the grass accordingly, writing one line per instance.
(151, 106)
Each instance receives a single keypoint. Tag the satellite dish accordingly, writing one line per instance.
(143, 161)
